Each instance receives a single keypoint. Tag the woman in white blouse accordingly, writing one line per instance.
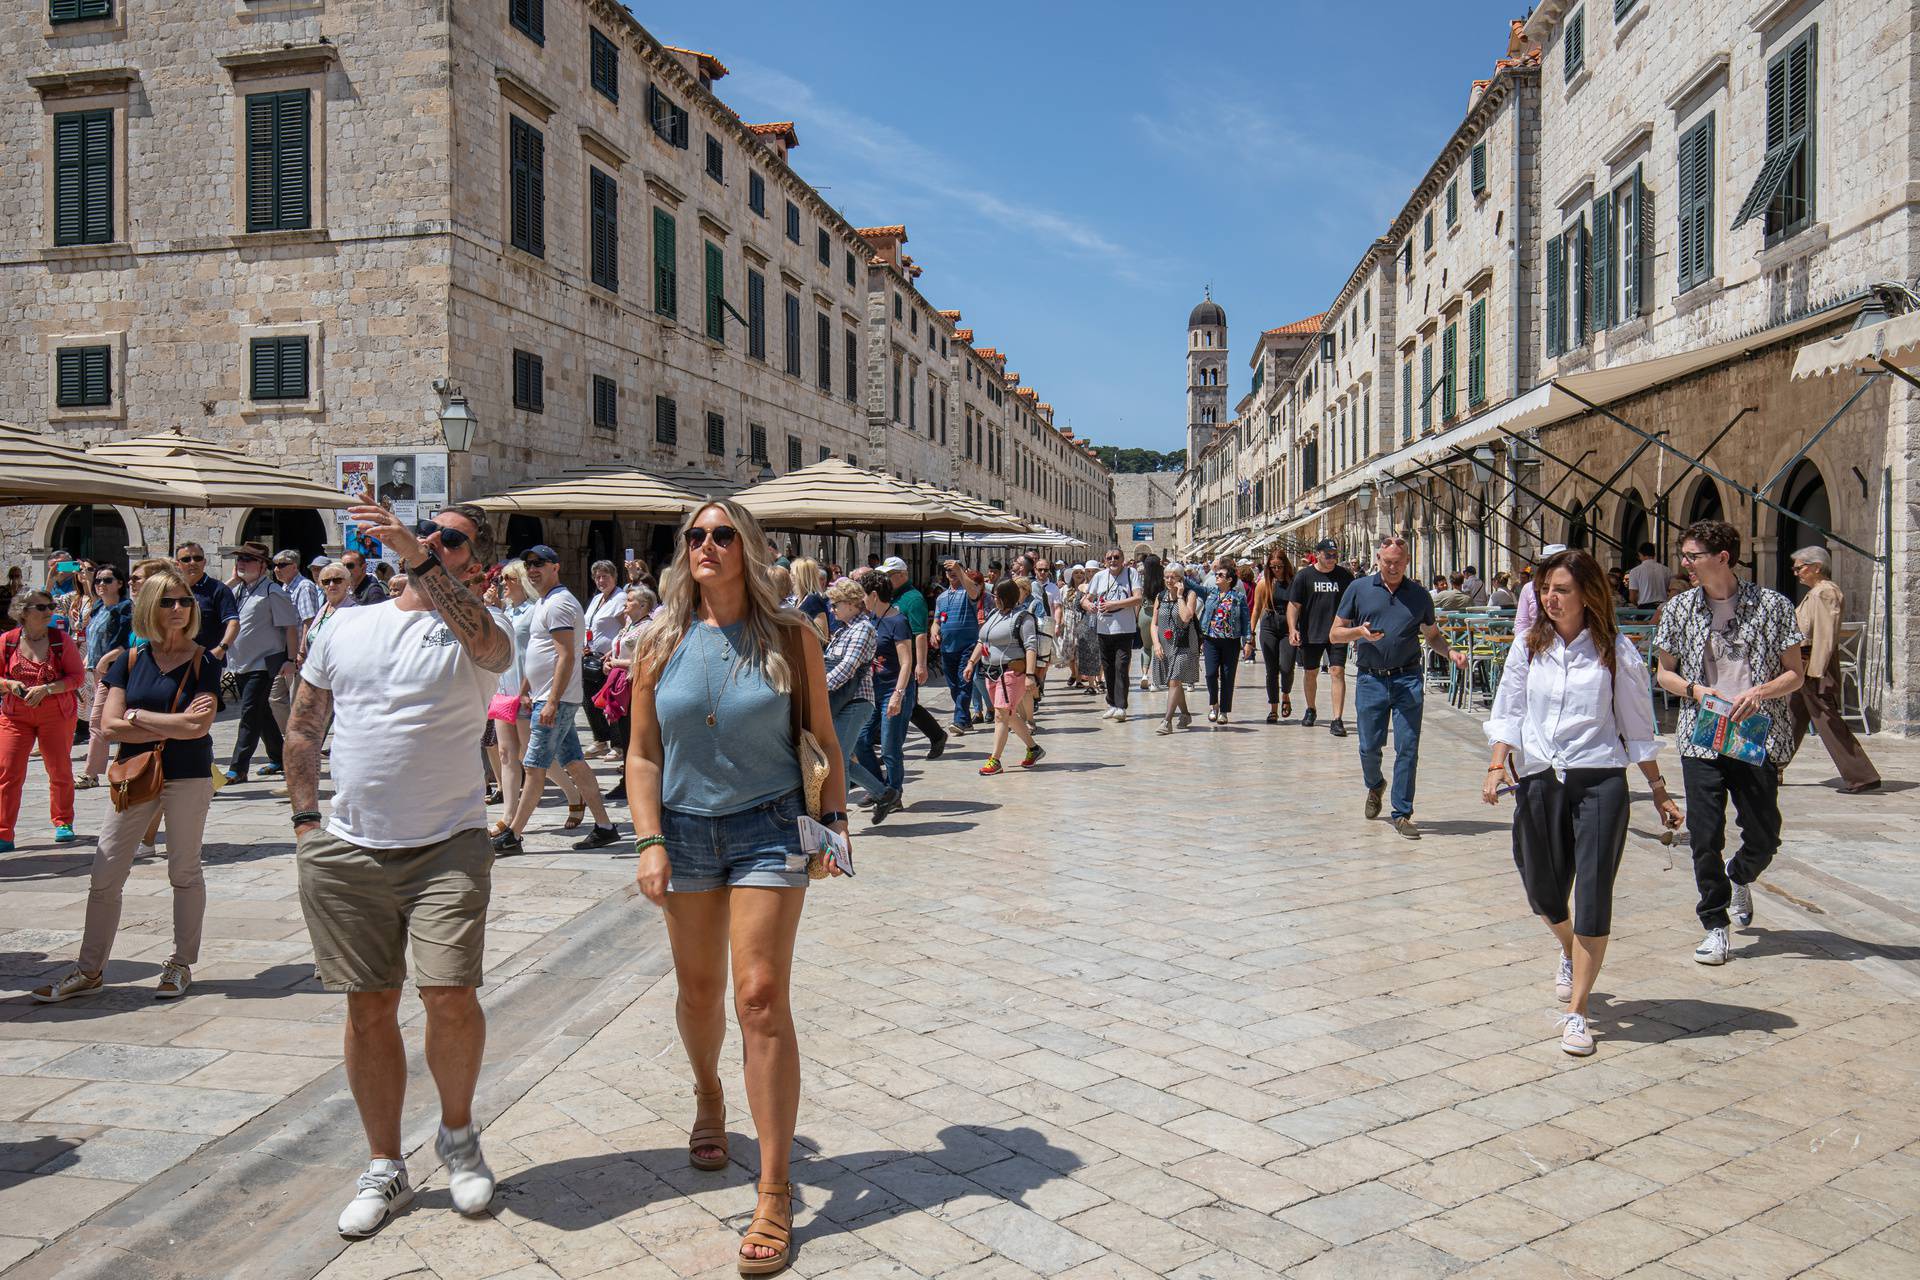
(1573, 711)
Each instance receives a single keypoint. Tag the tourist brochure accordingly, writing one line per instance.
(1714, 727)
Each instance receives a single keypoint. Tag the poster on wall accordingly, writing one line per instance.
(412, 485)
(1143, 531)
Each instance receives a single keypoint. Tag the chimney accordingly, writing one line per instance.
(886, 242)
(778, 136)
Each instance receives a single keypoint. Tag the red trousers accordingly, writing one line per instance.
(52, 727)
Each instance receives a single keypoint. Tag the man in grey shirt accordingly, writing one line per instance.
(305, 594)
(265, 645)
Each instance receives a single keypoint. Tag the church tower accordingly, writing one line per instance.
(1206, 374)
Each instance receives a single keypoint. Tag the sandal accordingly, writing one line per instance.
(770, 1233)
(1286, 707)
(576, 814)
(85, 782)
(708, 1135)
(496, 828)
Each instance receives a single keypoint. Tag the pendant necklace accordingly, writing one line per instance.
(706, 675)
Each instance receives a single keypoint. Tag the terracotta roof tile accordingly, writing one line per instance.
(882, 233)
(964, 335)
(952, 315)
(1299, 328)
(710, 66)
(781, 129)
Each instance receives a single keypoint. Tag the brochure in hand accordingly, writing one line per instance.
(1715, 728)
(824, 845)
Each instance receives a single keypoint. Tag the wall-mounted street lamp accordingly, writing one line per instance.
(457, 424)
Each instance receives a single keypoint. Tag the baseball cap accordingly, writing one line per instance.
(319, 562)
(894, 564)
(1552, 549)
(286, 555)
(540, 553)
(1326, 544)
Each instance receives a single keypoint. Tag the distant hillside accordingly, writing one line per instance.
(1134, 462)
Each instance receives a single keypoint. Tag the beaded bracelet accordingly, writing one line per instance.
(645, 843)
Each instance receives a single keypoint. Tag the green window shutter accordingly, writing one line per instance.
(83, 377)
(1449, 362)
(606, 403)
(853, 366)
(527, 150)
(1783, 191)
(666, 278)
(823, 342)
(1406, 401)
(1477, 168)
(716, 434)
(1556, 296)
(1453, 202)
(756, 315)
(793, 334)
(1600, 294)
(716, 290)
(279, 154)
(666, 420)
(1579, 278)
(1573, 47)
(603, 195)
(83, 177)
(603, 57)
(1426, 388)
(279, 369)
(530, 16)
(1626, 203)
(1695, 201)
(1477, 353)
(59, 11)
(1644, 238)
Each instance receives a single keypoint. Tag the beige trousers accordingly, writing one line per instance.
(184, 802)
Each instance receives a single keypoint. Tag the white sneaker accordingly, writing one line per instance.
(1108, 713)
(1575, 1037)
(1119, 715)
(468, 1179)
(1741, 908)
(383, 1191)
(1213, 716)
(1223, 718)
(1563, 980)
(145, 850)
(1712, 948)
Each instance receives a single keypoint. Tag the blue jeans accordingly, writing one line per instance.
(952, 663)
(1374, 699)
(557, 744)
(887, 732)
(848, 721)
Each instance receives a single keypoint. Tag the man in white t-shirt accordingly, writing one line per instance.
(1113, 598)
(1647, 581)
(554, 683)
(403, 856)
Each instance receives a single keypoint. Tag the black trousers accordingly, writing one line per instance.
(1116, 666)
(1222, 657)
(592, 679)
(926, 722)
(1567, 841)
(1754, 790)
(1277, 654)
(257, 724)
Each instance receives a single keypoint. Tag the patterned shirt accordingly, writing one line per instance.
(1763, 628)
(850, 657)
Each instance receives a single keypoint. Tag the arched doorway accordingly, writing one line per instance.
(92, 533)
(1805, 495)
(301, 528)
(1577, 531)
(524, 532)
(1705, 503)
(1635, 527)
(603, 543)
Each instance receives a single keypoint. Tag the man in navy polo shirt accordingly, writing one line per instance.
(956, 629)
(1386, 615)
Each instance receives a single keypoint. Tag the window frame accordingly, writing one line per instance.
(264, 191)
(606, 403)
(529, 381)
(603, 64)
(526, 187)
(98, 160)
(279, 344)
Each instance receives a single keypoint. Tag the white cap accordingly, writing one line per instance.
(894, 564)
(1552, 549)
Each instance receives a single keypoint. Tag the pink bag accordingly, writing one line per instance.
(616, 695)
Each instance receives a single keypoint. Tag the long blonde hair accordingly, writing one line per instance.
(681, 595)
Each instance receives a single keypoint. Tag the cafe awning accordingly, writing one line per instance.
(40, 469)
(214, 475)
(596, 492)
(1863, 348)
(832, 495)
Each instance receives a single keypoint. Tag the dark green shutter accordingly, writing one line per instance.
(1450, 362)
(1426, 387)
(83, 177)
(716, 289)
(1477, 168)
(823, 341)
(1574, 45)
(853, 366)
(1477, 353)
(279, 155)
(666, 420)
(1579, 279)
(604, 227)
(279, 369)
(793, 334)
(1406, 401)
(666, 278)
(78, 10)
(1600, 295)
(1556, 296)
(756, 315)
(603, 58)
(528, 195)
(83, 377)
(1695, 201)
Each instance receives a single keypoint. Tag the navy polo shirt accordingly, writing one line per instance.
(217, 608)
(1400, 613)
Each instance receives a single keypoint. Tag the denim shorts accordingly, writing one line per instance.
(746, 849)
(556, 744)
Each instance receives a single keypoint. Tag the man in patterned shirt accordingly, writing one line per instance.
(1741, 642)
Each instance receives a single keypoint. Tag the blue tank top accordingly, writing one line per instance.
(746, 756)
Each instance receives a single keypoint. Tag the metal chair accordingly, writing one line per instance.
(1852, 635)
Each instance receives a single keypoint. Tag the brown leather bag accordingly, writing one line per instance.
(131, 783)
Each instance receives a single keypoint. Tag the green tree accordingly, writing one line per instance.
(1140, 461)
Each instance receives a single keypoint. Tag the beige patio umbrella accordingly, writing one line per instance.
(833, 495)
(214, 475)
(967, 504)
(604, 489)
(38, 468)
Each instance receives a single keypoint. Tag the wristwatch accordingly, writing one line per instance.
(832, 816)
(431, 561)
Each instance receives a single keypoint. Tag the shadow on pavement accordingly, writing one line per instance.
(953, 806)
(917, 829)
(28, 1154)
(1655, 1021)
(1815, 944)
(1462, 827)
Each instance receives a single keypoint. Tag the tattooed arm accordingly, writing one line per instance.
(466, 617)
(306, 727)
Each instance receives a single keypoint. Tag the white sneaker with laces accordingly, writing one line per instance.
(383, 1190)
(1109, 713)
(1712, 948)
(1575, 1037)
(1563, 979)
(1741, 908)
(468, 1179)
(1119, 715)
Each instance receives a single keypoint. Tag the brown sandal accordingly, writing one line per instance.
(576, 813)
(708, 1135)
(770, 1233)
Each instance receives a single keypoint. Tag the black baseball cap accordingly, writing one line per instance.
(1326, 544)
(540, 553)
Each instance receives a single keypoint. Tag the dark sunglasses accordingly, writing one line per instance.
(36, 608)
(723, 536)
(333, 582)
(192, 559)
(104, 577)
(451, 539)
(248, 560)
(176, 602)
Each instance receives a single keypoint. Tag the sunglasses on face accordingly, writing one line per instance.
(248, 560)
(176, 602)
(723, 536)
(333, 582)
(37, 608)
(192, 559)
(451, 539)
(108, 579)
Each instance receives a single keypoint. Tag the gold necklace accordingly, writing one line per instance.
(706, 677)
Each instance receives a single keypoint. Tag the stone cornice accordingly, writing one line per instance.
(76, 84)
(601, 145)
(280, 60)
(520, 91)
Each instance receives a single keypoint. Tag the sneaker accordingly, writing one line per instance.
(1575, 1038)
(991, 767)
(1563, 979)
(1035, 754)
(1213, 716)
(1373, 801)
(1712, 948)
(1407, 828)
(1110, 713)
(234, 775)
(1310, 719)
(938, 746)
(468, 1179)
(383, 1191)
(884, 807)
(1337, 727)
(73, 984)
(1164, 727)
(175, 978)
(507, 842)
(144, 850)
(598, 838)
(1119, 715)
(271, 770)
(1186, 719)
(1222, 719)
(1741, 908)
(63, 834)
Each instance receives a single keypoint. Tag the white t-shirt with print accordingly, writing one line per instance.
(409, 710)
(1110, 586)
(557, 620)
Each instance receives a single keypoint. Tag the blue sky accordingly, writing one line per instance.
(1071, 175)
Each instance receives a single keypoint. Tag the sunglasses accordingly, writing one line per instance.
(451, 539)
(333, 582)
(723, 536)
(192, 559)
(1393, 542)
(248, 560)
(176, 602)
(110, 579)
(37, 608)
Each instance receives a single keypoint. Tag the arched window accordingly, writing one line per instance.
(1705, 503)
(92, 533)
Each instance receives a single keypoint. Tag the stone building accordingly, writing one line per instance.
(302, 229)
(1145, 511)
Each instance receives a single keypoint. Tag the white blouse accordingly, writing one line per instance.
(1560, 711)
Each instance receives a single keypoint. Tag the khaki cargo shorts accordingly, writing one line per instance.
(363, 906)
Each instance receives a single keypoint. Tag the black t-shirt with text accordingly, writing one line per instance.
(1318, 595)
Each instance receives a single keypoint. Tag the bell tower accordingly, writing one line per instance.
(1206, 374)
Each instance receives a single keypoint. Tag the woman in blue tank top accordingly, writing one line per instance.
(715, 790)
